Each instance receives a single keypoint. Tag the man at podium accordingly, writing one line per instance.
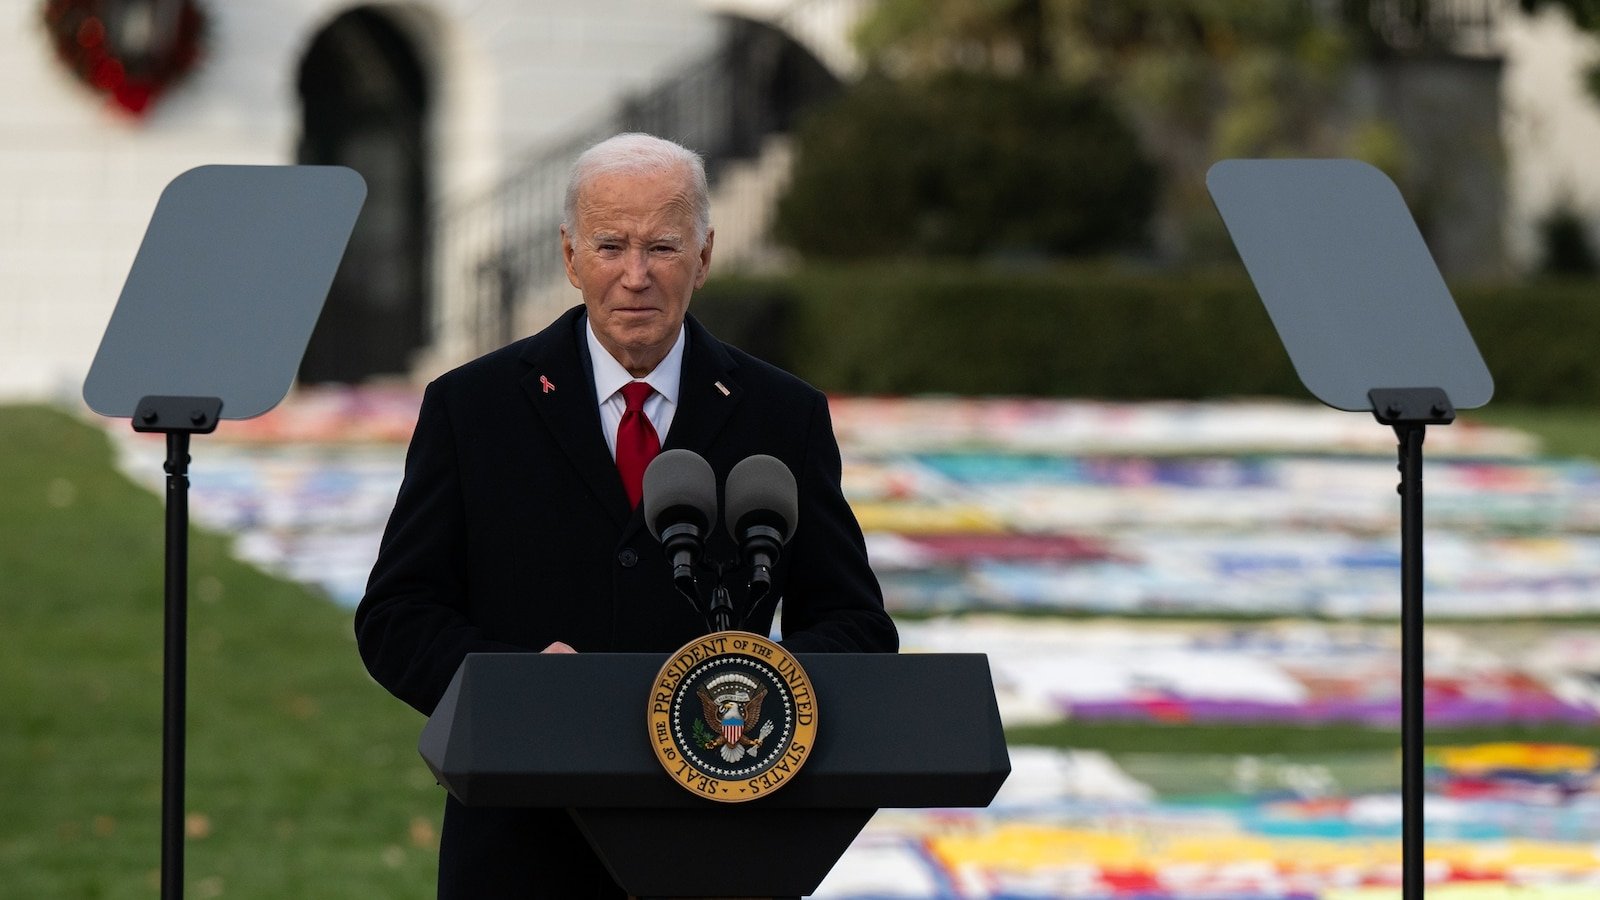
(518, 526)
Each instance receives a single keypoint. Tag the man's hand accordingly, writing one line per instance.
(559, 647)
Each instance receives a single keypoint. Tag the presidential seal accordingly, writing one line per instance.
(732, 716)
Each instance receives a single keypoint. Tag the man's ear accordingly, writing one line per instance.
(705, 258)
(567, 251)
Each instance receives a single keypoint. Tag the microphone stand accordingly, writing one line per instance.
(722, 605)
(719, 613)
(689, 590)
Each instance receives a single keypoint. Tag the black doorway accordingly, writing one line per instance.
(365, 95)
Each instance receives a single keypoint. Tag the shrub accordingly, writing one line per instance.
(966, 165)
(1090, 331)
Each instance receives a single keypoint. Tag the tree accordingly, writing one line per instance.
(1201, 79)
(966, 165)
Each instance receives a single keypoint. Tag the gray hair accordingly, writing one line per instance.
(634, 153)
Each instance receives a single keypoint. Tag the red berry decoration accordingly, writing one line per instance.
(131, 51)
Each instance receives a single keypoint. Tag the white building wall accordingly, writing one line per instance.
(78, 181)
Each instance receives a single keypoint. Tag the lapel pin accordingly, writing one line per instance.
(724, 390)
(548, 387)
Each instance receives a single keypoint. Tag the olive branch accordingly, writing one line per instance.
(702, 734)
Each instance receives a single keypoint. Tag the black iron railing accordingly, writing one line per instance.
(1457, 27)
(497, 255)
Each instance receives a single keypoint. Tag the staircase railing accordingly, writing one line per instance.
(496, 254)
(1457, 27)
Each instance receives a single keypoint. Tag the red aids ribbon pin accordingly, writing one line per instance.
(548, 387)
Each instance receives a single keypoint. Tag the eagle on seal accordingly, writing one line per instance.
(728, 717)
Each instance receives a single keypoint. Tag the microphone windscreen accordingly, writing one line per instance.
(679, 484)
(761, 488)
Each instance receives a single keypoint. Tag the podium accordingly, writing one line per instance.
(569, 731)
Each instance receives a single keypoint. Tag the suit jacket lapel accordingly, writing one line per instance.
(560, 385)
(707, 394)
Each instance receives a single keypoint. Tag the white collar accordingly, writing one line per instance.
(610, 376)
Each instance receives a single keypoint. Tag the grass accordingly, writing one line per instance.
(1210, 739)
(303, 778)
(1562, 431)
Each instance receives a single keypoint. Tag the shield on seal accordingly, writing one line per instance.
(732, 724)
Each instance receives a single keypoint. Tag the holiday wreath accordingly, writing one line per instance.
(130, 50)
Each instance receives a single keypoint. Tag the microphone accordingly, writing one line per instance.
(763, 507)
(680, 505)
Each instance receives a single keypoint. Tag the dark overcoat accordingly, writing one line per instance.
(511, 531)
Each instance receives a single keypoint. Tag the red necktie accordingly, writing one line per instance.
(637, 443)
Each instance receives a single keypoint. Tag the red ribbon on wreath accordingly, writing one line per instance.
(132, 51)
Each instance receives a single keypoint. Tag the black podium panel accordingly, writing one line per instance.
(568, 730)
(684, 852)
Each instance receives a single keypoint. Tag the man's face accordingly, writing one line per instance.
(633, 254)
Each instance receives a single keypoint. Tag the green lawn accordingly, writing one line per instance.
(1562, 431)
(303, 777)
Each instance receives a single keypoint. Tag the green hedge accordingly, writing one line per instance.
(1102, 332)
(966, 165)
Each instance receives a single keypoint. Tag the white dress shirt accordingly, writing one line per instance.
(610, 376)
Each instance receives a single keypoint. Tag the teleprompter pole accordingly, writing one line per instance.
(1411, 682)
(175, 667)
(177, 418)
(1410, 411)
